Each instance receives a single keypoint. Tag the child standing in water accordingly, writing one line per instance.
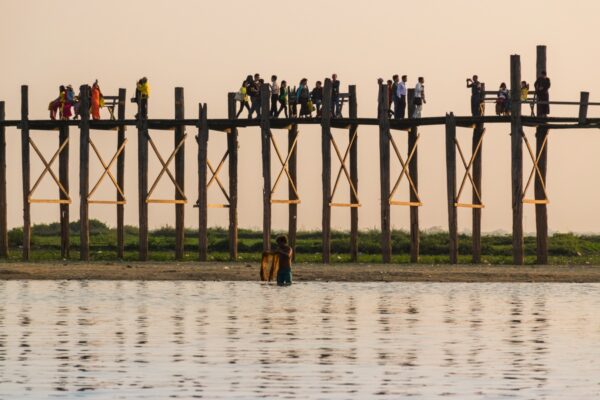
(284, 275)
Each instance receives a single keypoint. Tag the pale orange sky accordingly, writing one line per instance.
(208, 47)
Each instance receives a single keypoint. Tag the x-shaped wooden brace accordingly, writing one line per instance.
(109, 174)
(284, 168)
(165, 169)
(48, 169)
(405, 172)
(468, 166)
(535, 170)
(111, 110)
(215, 177)
(343, 169)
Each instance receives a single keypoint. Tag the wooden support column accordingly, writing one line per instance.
(541, 210)
(353, 113)
(121, 176)
(84, 174)
(451, 186)
(26, 171)
(142, 126)
(293, 207)
(477, 174)
(179, 175)
(414, 175)
(326, 170)
(3, 205)
(232, 147)
(584, 99)
(516, 159)
(202, 140)
(63, 176)
(265, 134)
(384, 173)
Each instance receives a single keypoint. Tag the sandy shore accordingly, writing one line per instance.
(302, 272)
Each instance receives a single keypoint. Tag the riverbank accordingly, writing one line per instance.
(228, 271)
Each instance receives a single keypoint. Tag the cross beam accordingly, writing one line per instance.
(105, 173)
(535, 170)
(48, 169)
(344, 169)
(165, 169)
(404, 172)
(479, 203)
(285, 169)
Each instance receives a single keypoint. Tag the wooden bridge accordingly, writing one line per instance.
(287, 168)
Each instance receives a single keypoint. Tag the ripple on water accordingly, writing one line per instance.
(157, 340)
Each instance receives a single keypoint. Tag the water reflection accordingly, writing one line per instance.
(156, 340)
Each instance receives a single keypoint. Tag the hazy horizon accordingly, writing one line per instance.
(208, 48)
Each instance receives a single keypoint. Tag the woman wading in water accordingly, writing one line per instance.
(284, 275)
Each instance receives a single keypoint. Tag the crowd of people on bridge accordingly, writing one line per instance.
(68, 104)
(541, 97)
(397, 96)
(285, 99)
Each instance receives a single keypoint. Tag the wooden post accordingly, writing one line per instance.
(451, 186)
(232, 147)
(477, 175)
(293, 207)
(414, 175)
(26, 171)
(63, 176)
(121, 176)
(265, 133)
(541, 210)
(516, 159)
(584, 99)
(179, 175)
(202, 140)
(384, 173)
(410, 98)
(142, 126)
(353, 113)
(326, 170)
(84, 174)
(3, 207)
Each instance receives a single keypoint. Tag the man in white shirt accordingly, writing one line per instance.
(419, 97)
(274, 95)
(401, 95)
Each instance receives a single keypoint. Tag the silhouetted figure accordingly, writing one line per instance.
(476, 95)
(542, 85)
(419, 97)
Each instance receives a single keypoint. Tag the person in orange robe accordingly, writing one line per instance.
(95, 106)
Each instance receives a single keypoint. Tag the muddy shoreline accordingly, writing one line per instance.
(228, 271)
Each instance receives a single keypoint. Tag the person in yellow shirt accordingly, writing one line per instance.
(142, 92)
(524, 90)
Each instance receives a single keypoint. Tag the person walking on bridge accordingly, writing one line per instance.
(142, 93)
(303, 96)
(419, 97)
(254, 92)
(96, 99)
(335, 96)
(283, 99)
(401, 94)
(476, 95)
(395, 98)
(242, 96)
(274, 87)
(542, 85)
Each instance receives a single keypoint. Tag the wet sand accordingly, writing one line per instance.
(224, 271)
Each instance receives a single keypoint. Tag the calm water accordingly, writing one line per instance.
(158, 340)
